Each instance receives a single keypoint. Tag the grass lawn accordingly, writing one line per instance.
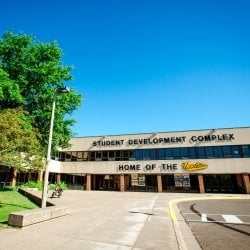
(11, 201)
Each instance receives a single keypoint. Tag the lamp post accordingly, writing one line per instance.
(46, 175)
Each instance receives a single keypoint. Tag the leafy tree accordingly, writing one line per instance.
(19, 144)
(31, 72)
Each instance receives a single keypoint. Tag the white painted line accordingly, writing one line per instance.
(231, 218)
(204, 217)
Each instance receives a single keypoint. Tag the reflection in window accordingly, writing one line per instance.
(235, 151)
(245, 150)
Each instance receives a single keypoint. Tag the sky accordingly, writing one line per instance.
(147, 65)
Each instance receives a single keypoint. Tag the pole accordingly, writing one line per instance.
(46, 176)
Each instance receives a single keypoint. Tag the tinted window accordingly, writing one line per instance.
(153, 154)
(192, 154)
(226, 151)
(235, 151)
(161, 153)
(201, 152)
(245, 150)
(138, 154)
(218, 152)
(209, 152)
(176, 153)
(184, 152)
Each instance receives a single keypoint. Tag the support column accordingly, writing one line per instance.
(58, 178)
(245, 178)
(239, 180)
(159, 183)
(122, 182)
(40, 176)
(88, 184)
(201, 183)
(73, 179)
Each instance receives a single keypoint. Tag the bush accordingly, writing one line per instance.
(62, 185)
(39, 185)
(33, 184)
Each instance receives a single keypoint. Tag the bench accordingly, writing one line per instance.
(29, 217)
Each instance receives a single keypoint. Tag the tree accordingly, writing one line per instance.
(31, 72)
(19, 144)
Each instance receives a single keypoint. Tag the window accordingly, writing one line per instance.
(153, 154)
(168, 153)
(161, 153)
(104, 155)
(235, 151)
(146, 154)
(117, 155)
(124, 155)
(209, 152)
(201, 152)
(245, 150)
(218, 152)
(111, 156)
(98, 156)
(226, 151)
(138, 154)
(192, 154)
(184, 153)
(176, 153)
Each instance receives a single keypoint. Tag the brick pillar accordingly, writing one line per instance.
(40, 176)
(201, 183)
(122, 182)
(239, 180)
(58, 178)
(245, 178)
(88, 184)
(13, 177)
(159, 183)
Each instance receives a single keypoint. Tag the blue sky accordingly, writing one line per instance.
(147, 66)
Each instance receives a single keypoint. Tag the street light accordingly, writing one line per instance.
(60, 90)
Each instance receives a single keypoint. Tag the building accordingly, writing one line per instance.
(213, 160)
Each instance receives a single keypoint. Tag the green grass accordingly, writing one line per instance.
(12, 201)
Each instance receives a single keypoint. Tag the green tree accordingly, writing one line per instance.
(31, 73)
(19, 144)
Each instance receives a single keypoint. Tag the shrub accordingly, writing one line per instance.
(33, 184)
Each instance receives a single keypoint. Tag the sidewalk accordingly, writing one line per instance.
(107, 220)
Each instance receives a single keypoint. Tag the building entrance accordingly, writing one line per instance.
(106, 182)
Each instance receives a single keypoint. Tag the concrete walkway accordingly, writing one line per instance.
(108, 220)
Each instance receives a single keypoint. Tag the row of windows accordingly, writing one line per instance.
(236, 151)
